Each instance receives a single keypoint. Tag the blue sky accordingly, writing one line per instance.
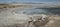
(30, 1)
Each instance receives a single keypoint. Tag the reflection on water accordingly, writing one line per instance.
(54, 11)
(38, 11)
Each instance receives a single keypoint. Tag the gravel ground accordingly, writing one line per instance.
(8, 17)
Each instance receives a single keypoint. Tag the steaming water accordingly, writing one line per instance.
(38, 11)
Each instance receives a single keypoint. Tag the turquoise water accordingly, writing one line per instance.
(33, 1)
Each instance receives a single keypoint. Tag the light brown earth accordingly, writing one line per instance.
(4, 6)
